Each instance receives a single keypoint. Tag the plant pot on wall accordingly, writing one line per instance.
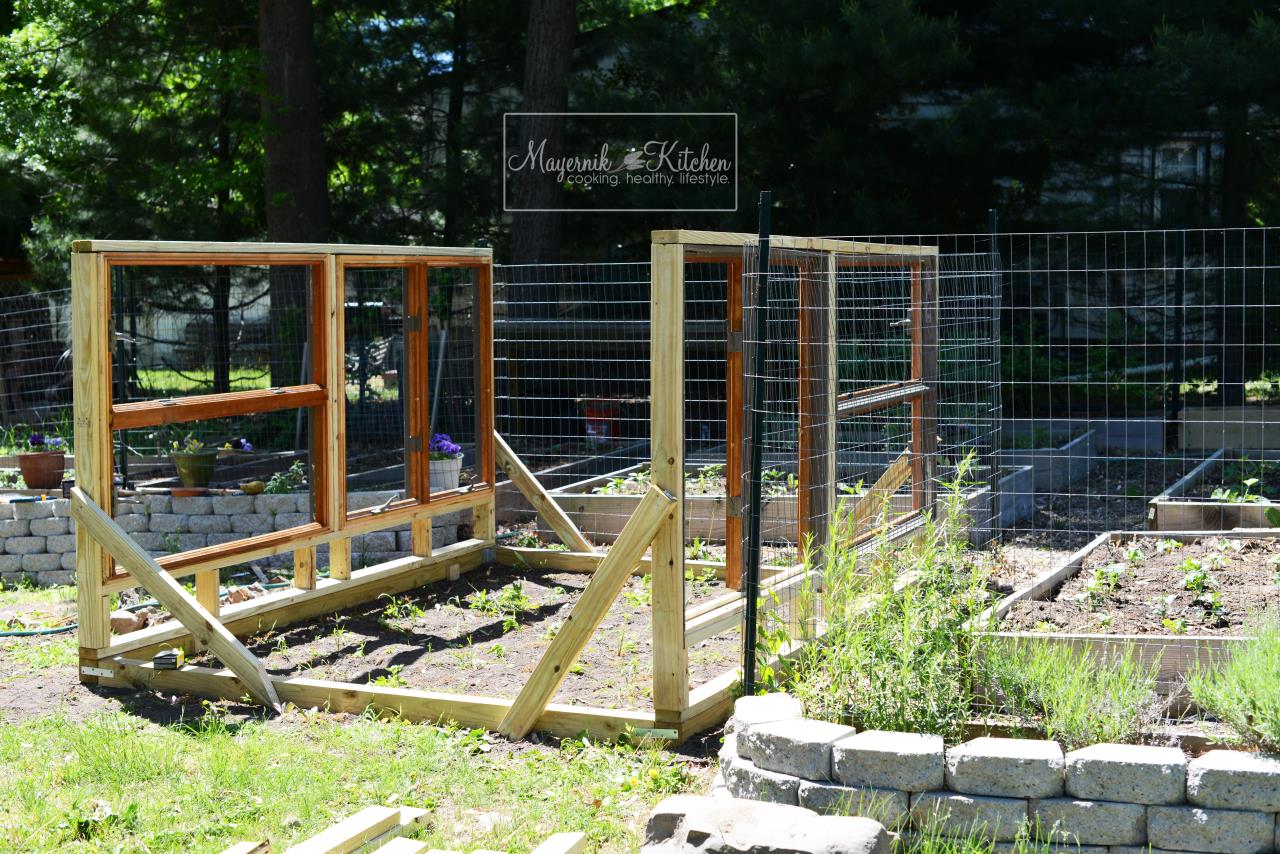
(42, 469)
(195, 468)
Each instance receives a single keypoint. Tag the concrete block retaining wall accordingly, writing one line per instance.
(37, 539)
(1104, 798)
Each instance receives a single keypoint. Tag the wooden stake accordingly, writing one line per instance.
(538, 496)
(666, 389)
(877, 497)
(588, 612)
(184, 608)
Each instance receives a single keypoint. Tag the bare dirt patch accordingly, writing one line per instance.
(1211, 586)
(484, 633)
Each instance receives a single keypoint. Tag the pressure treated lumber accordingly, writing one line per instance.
(91, 393)
(563, 843)
(409, 704)
(400, 845)
(537, 496)
(588, 612)
(184, 608)
(201, 247)
(261, 847)
(870, 504)
(666, 471)
(350, 833)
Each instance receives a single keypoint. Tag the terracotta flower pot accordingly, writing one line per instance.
(42, 469)
(195, 468)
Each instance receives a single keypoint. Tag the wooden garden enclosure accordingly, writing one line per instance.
(109, 561)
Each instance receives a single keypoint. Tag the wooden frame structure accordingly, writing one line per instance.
(108, 561)
(679, 709)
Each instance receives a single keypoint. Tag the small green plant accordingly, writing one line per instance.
(641, 595)
(1242, 688)
(525, 540)
(1078, 696)
(392, 678)
(634, 483)
(498, 651)
(1103, 582)
(1167, 546)
(1196, 577)
(289, 480)
(509, 603)
(1133, 555)
(707, 479)
(698, 550)
(1174, 625)
(552, 629)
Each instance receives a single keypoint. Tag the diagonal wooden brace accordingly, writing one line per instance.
(539, 497)
(203, 625)
(605, 585)
(873, 502)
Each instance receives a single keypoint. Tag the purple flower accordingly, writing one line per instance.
(55, 442)
(241, 444)
(443, 448)
(36, 440)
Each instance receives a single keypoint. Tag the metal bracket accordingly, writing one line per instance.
(734, 342)
(96, 671)
(648, 732)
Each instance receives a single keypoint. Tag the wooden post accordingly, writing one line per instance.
(91, 389)
(817, 350)
(601, 592)
(335, 509)
(670, 656)
(735, 427)
(924, 369)
(203, 626)
(304, 568)
(208, 590)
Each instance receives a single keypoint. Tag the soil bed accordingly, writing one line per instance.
(484, 633)
(1160, 589)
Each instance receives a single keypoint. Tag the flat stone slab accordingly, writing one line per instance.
(744, 780)
(1006, 767)
(903, 761)
(1215, 831)
(684, 824)
(890, 808)
(801, 747)
(1075, 822)
(954, 814)
(1134, 773)
(763, 708)
(1233, 779)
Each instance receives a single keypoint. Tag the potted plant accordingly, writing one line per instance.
(42, 464)
(445, 462)
(193, 461)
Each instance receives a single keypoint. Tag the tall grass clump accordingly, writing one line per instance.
(1076, 696)
(1242, 690)
(899, 649)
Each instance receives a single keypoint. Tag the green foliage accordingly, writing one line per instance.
(1078, 696)
(289, 480)
(898, 656)
(508, 603)
(1242, 688)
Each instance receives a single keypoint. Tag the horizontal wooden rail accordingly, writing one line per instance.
(193, 616)
(304, 536)
(880, 397)
(200, 247)
(201, 407)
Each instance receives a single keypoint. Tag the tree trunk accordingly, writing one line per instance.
(553, 24)
(452, 204)
(297, 195)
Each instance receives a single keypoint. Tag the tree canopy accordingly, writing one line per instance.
(155, 118)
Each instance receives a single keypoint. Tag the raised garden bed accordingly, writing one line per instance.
(1057, 462)
(1230, 489)
(1174, 599)
(601, 505)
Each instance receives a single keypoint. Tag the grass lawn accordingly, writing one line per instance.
(116, 782)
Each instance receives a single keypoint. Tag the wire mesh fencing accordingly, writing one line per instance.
(35, 373)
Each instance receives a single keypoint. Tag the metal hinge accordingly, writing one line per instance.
(734, 344)
(413, 322)
(415, 444)
(733, 506)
